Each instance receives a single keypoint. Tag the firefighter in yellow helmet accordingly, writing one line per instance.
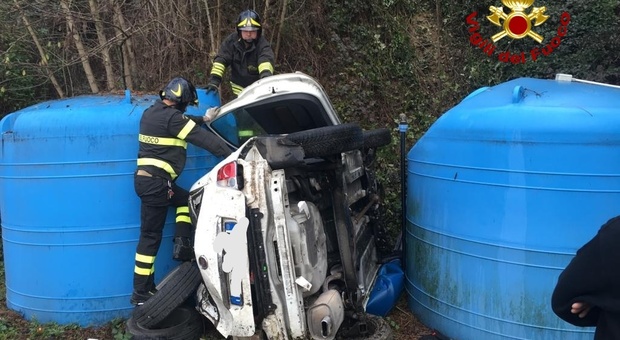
(165, 130)
(246, 51)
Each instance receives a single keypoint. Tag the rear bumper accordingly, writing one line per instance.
(223, 260)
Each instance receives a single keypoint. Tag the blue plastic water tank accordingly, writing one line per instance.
(502, 191)
(70, 216)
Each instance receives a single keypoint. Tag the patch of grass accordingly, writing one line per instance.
(118, 330)
(7, 331)
(49, 331)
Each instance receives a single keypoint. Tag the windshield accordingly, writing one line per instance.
(274, 116)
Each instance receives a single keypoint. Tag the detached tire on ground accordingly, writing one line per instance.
(376, 138)
(328, 140)
(378, 329)
(174, 289)
(184, 323)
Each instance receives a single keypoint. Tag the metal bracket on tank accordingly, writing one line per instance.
(518, 94)
(568, 78)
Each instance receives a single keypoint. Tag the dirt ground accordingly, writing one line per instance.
(13, 327)
(405, 324)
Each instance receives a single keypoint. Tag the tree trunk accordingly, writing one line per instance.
(213, 51)
(103, 42)
(124, 50)
(44, 63)
(280, 25)
(129, 57)
(438, 44)
(265, 17)
(80, 47)
(218, 26)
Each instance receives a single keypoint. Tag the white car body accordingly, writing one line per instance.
(261, 247)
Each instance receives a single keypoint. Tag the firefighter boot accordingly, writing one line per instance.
(182, 249)
(139, 298)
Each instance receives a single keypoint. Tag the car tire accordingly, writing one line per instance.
(381, 331)
(376, 138)
(328, 140)
(175, 289)
(184, 323)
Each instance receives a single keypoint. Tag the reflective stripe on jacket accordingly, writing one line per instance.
(164, 133)
(246, 64)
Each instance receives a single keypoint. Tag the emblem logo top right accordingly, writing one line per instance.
(517, 24)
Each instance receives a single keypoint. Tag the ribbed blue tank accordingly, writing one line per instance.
(70, 216)
(501, 192)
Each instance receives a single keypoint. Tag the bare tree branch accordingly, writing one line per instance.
(129, 58)
(282, 19)
(80, 47)
(105, 49)
(213, 50)
(126, 53)
(44, 62)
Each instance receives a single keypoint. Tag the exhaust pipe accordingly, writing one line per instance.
(326, 315)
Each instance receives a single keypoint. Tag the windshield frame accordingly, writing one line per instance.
(278, 115)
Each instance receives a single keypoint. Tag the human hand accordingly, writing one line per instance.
(212, 88)
(580, 308)
(210, 114)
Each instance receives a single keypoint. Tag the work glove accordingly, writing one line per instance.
(210, 114)
(264, 74)
(212, 88)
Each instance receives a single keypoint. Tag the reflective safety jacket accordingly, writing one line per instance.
(164, 134)
(247, 65)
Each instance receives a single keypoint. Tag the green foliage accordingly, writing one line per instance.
(393, 324)
(392, 57)
(8, 331)
(48, 330)
(2, 280)
(21, 83)
(16, 83)
(587, 50)
(118, 330)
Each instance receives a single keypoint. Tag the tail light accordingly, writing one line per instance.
(230, 176)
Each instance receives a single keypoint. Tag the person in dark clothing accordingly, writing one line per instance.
(164, 133)
(246, 51)
(587, 293)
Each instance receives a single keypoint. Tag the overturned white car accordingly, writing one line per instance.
(287, 226)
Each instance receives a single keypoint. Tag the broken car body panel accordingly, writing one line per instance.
(308, 252)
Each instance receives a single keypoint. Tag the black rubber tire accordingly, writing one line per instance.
(328, 140)
(376, 138)
(184, 323)
(175, 288)
(378, 329)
